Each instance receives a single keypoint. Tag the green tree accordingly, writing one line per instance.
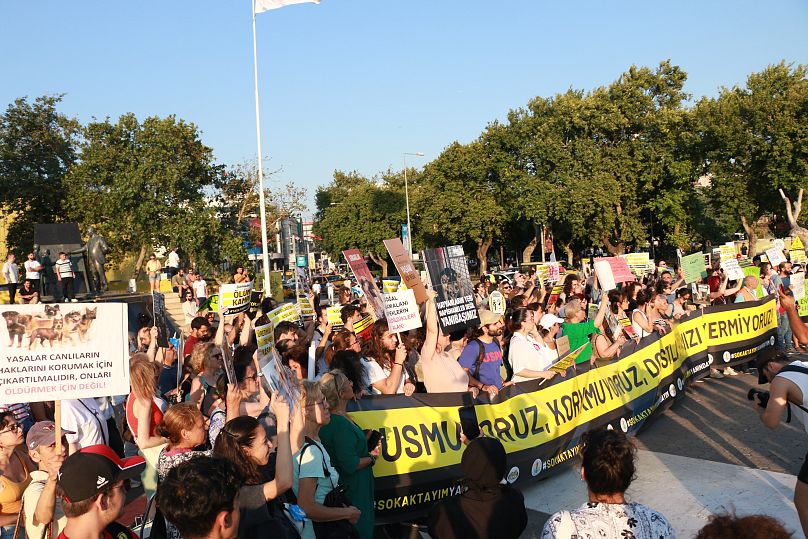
(460, 199)
(755, 141)
(143, 185)
(358, 213)
(37, 147)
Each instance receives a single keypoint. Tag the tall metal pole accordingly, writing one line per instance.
(262, 202)
(407, 199)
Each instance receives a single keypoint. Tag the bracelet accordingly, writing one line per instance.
(399, 364)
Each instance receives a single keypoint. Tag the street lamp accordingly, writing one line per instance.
(407, 199)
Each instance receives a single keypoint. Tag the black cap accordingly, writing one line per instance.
(766, 356)
(92, 469)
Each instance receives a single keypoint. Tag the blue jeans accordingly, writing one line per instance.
(7, 532)
(784, 333)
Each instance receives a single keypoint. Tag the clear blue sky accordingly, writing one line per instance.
(352, 84)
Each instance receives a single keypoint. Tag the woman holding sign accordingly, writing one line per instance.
(386, 366)
(442, 372)
(524, 351)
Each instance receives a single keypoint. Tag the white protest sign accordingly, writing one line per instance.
(779, 244)
(401, 311)
(235, 298)
(496, 302)
(775, 256)
(733, 270)
(63, 351)
(798, 285)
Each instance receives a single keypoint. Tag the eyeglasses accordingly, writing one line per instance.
(15, 427)
(321, 402)
(254, 377)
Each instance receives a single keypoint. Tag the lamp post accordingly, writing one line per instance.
(407, 199)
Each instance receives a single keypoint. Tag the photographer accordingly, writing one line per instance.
(789, 385)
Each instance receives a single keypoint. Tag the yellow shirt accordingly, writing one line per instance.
(153, 266)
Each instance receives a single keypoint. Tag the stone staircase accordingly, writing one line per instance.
(174, 311)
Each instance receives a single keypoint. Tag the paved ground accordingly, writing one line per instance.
(709, 453)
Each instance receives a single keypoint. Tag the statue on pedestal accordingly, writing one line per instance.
(95, 251)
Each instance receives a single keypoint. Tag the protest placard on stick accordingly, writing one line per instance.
(449, 274)
(798, 285)
(63, 351)
(612, 270)
(694, 267)
(775, 256)
(365, 281)
(234, 298)
(401, 311)
(159, 312)
(405, 268)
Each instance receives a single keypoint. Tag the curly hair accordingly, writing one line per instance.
(200, 355)
(608, 461)
(749, 527)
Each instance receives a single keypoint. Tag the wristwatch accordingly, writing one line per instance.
(372, 460)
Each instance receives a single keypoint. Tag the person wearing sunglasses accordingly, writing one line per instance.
(313, 474)
(206, 362)
(15, 467)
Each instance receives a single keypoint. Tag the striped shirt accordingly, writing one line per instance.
(64, 268)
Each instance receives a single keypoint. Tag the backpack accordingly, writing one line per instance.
(505, 362)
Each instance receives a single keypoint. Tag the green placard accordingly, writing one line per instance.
(755, 271)
(694, 268)
(802, 306)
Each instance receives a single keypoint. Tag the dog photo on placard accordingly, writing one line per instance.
(47, 326)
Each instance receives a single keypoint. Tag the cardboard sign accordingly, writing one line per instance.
(628, 328)
(779, 244)
(700, 294)
(612, 270)
(798, 285)
(281, 379)
(567, 361)
(496, 302)
(235, 298)
(694, 267)
(401, 311)
(449, 274)
(638, 263)
(798, 256)
(334, 314)
(775, 256)
(363, 327)
(365, 281)
(389, 286)
(265, 336)
(733, 270)
(255, 300)
(563, 346)
(555, 293)
(802, 306)
(405, 268)
(727, 252)
(553, 272)
(63, 351)
(305, 308)
(159, 312)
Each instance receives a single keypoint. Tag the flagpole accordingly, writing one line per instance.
(264, 242)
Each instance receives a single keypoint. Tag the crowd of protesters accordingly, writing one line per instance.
(227, 458)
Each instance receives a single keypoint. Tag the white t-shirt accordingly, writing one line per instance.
(173, 260)
(201, 288)
(11, 273)
(30, 272)
(525, 352)
(376, 373)
(84, 417)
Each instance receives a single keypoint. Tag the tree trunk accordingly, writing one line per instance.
(482, 255)
(380, 261)
(568, 249)
(793, 215)
(615, 249)
(139, 262)
(527, 252)
(751, 233)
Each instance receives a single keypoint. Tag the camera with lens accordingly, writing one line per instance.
(763, 396)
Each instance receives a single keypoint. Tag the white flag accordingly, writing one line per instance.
(266, 5)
